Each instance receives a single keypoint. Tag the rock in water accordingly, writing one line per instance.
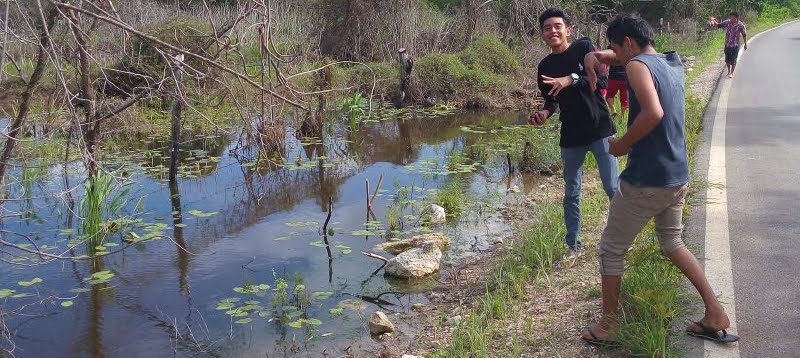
(380, 324)
(415, 263)
(397, 247)
(438, 215)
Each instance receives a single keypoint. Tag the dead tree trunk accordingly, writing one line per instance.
(472, 18)
(5, 41)
(25, 100)
(177, 107)
(87, 99)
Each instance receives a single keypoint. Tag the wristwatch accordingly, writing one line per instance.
(575, 78)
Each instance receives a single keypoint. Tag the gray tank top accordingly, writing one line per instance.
(659, 159)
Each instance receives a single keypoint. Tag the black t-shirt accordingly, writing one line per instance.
(584, 114)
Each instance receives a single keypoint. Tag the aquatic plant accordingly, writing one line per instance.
(353, 107)
(100, 202)
(452, 197)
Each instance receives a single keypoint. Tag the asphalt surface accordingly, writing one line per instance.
(763, 177)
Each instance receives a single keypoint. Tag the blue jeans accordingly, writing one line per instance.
(573, 159)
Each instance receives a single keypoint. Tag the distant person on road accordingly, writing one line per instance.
(733, 28)
(655, 180)
(617, 83)
(585, 122)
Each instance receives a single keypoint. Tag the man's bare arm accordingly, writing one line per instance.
(592, 61)
(642, 84)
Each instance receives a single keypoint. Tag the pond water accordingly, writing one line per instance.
(242, 268)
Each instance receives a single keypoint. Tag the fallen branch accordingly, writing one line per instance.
(379, 257)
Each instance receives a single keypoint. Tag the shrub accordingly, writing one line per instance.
(439, 73)
(182, 32)
(490, 53)
(386, 77)
(144, 61)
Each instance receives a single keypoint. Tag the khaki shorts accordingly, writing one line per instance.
(631, 208)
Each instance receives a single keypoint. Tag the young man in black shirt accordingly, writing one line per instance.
(585, 122)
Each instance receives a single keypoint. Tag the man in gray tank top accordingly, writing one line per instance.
(655, 180)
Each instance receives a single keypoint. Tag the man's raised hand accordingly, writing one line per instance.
(557, 84)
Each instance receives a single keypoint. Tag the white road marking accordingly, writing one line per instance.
(718, 248)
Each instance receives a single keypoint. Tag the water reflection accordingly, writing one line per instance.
(261, 219)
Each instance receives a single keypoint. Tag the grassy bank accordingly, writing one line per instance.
(652, 296)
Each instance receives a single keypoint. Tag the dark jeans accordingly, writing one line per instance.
(731, 54)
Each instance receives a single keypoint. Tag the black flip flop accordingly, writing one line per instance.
(600, 342)
(720, 336)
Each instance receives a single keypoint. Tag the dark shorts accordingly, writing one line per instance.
(731, 53)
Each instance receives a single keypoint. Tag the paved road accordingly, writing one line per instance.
(762, 153)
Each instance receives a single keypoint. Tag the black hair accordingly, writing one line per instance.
(552, 12)
(630, 26)
(734, 13)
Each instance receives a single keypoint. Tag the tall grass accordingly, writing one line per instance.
(100, 202)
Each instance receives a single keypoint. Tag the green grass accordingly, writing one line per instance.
(452, 197)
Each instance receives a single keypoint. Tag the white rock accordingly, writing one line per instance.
(397, 247)
(497, 240)
(438, 215)
(513, 189)
(541, 186)
(415, 263)
(380, 324)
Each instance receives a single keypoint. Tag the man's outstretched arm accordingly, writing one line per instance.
(592, 61)
(642, 84)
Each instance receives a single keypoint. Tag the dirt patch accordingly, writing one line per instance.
(703, 85)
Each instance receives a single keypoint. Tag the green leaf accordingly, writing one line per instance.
(6, 292)
(201, 214)
(336, 310)
(313, 321)
(321, 295)
(79, 290)
(318, 243)
(32, 282)
(295, 324)
(244, 321)
(67, 303)
(21, 295)
(230, 300)
(224, 306)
